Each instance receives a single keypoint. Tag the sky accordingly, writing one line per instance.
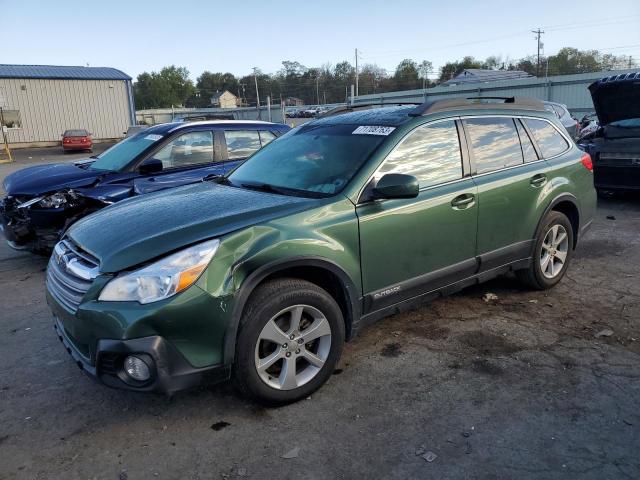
(137, 36)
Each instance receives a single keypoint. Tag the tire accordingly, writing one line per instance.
(557, 255)
(278, 303)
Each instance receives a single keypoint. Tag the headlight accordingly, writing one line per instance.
(163, 278)
(55, 200)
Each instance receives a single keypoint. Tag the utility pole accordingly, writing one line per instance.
(538, 36)
(318, 88)
(356, 72)
(255, 77)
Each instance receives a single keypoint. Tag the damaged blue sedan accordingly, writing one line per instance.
(42, 201)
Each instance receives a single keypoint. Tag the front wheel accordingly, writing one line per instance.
(290, 339)
(552, 253)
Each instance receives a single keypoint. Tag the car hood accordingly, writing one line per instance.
(139, 229)
(48, 178)
(616, 98)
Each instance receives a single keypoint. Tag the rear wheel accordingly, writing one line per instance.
(552, 253)
(290, 339)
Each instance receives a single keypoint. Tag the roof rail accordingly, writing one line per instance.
(476, 102)
(362, 106)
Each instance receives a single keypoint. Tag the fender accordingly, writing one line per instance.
(253, 280)
(563, 197)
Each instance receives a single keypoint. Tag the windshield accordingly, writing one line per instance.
(76, 133)
(317, 160)
(115, 158)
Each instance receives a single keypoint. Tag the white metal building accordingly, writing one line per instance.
(40, 102)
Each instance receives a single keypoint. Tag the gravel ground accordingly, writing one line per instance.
(529, 385)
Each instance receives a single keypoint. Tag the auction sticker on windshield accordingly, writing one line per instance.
(373, 130)
(153, 137)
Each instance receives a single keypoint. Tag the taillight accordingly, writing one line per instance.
(586, 161)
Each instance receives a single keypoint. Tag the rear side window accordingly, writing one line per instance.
(528, 152)
(242, 143)
(266, 137)
(549, 140)
(430, 153)
(494, 143)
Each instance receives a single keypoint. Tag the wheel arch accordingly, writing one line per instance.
(318, 270)
(567, 204)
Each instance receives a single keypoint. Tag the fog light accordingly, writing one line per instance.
(136, 369)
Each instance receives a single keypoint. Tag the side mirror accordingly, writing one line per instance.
(151, 165)
(396, 185)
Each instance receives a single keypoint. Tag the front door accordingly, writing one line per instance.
(411, 246)
(187, 158)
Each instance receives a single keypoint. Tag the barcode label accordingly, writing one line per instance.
(373, 130)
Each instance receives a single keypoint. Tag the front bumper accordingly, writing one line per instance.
(37, 231)
(77, 146)
(170, 371)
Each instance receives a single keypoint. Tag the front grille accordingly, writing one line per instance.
(70, 274)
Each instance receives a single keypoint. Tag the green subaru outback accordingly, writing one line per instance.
(261, 275)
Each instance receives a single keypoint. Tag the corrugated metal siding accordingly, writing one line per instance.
(49, 107)
(570, 90)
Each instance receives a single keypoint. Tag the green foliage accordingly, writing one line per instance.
(170, 87)
(209, 83)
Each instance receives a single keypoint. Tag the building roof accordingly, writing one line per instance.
(478, 75)
(217, 95)
(58, 72)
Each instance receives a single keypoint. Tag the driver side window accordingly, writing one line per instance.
(430, 153)
(192, 148)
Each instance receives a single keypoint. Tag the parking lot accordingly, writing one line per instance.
(520, 385)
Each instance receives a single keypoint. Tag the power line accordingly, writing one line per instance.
(567, 26)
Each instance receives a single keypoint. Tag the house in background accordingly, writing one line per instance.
(224, 99)
(479, 75)
(293, 102)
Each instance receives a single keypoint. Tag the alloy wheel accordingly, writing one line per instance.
(293, 347)
(555, 248)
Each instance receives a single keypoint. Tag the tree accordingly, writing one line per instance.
(170, 87)
(424, 69)
(209, 83)
(370, 78)
(344, 75)
(406, 75)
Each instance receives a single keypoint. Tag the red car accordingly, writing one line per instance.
(76, 140)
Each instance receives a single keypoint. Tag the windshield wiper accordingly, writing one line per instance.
(265, 187)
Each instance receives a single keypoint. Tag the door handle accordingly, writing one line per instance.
(463, 201)
(538, 180)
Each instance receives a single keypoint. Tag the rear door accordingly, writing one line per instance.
(510, 177)
(410, 246)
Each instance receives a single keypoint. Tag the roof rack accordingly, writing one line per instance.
(476, 102)
(363, 106)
